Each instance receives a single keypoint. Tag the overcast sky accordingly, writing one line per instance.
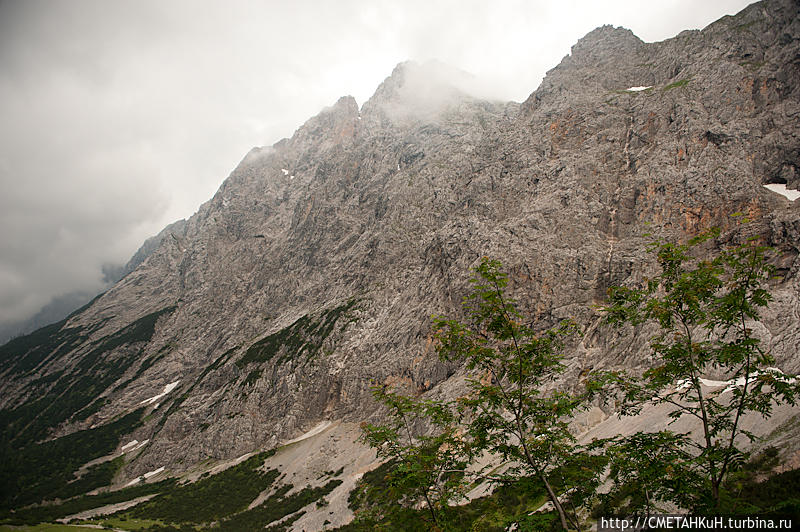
(120, 117)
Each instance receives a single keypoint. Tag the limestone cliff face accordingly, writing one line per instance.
(314, 270)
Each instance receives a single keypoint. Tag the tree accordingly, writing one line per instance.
(428, 457)
(514, 410)
(647, 469)
(704, 310)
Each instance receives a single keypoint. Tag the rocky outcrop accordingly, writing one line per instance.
(314, 270)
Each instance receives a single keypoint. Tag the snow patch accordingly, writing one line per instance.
(145, 476)
(145, 442)
(781, 189)
(685, 383)
(168, 388)
(731, 384)
(638, 89)
(153, 472)
(133, 446)
(713, 384)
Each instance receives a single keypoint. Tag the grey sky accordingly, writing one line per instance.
(120, 117)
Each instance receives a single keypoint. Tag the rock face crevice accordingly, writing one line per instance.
(386, 208)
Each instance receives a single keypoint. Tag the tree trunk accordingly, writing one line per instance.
(556, 503)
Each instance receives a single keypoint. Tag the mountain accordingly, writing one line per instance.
(61, 306)
(57, 309)
(314, 270)
(113, 273)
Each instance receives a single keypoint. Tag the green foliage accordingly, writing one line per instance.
(374, 489)
(51, 512)
(513, 412)
(97, 475)
(176, 404)
(210, 498)
(677, 84)
(422, 442)
(704, 310)
(648, 468)
(778, 495)
(44, 527)
(746, 26)
(69, 394)
(25, 353)
(45, 470)
(277, 507)
(510, 414)
(144, 366)
(141, 330)
(158, 527)
(252, 377)
(123, 522)
(292, 339)
(305, 335)
(510, 503)
(752, 65)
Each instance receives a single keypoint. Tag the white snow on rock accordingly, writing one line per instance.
(134, 445)
(731, 384)
(285, 171)
(781, 189)
(154, 472)
(685, 383)
(145, 442)
(776, 373)
(168, 388)
(637, 89)
(145, 476)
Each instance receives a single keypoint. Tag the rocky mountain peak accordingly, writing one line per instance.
(419, 92)
(332, 126)
(604, 43)
(608, 58)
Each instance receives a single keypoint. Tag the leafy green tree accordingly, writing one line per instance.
(704, 310)
(422, 441)
(649, 468)
(514, 409)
